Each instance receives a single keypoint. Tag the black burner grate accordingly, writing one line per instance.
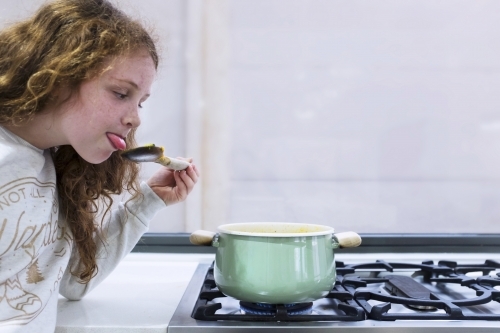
(341, 300)
(415, 296)
(351, 300)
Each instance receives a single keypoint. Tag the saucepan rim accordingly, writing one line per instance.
(275, 229)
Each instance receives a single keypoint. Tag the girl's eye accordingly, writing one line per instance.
(120, 95)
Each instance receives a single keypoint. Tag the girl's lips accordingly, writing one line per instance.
(116, 141)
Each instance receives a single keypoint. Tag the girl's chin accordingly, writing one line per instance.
(97, 158)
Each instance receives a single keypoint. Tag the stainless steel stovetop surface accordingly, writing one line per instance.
(182, 320)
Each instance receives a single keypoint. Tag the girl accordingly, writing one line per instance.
(72, 80)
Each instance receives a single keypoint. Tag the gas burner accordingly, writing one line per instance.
(382, 291)
(422, 308)
(405, 286)
(272, 309)
(411, 294)
(210, 302)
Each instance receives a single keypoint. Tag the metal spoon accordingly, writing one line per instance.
(152, 153)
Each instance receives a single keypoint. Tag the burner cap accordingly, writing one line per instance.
(422, 308)
(271, 309)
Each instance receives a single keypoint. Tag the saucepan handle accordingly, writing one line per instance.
(202, 237)
(347, 239)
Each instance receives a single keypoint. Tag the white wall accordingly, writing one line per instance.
(369, 115)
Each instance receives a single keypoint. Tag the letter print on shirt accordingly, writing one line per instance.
(34, 249)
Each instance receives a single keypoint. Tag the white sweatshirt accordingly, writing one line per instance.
(36, 245)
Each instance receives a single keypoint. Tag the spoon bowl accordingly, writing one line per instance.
(152, 153)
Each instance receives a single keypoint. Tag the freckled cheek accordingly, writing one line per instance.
(111, 113)
(102, 112)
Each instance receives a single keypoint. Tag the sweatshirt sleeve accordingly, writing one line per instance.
(126, 225)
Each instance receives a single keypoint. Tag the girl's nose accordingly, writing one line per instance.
(132, 119)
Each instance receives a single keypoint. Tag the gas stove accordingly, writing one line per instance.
(382, 296)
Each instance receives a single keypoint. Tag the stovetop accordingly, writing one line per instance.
(381, 296)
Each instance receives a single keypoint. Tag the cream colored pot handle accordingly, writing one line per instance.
(348, 239)
(202, 237)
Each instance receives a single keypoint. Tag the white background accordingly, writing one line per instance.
(368, 115)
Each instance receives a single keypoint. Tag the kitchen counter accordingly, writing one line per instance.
(143, 292)
(140, 295)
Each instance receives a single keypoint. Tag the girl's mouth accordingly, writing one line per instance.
(116, 141)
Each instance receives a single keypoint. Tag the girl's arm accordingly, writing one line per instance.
(126, 226)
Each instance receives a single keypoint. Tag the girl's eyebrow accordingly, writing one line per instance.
(132, 83)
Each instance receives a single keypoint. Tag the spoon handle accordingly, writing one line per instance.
(172, 163)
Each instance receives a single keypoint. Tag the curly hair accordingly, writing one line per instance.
(63, 44)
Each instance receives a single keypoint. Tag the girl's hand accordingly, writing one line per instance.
(174, 186)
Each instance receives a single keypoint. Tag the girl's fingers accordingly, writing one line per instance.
(196, 170)
(181, 187)
(188, 180)
(192, 166)
(184, 181)
(191, 172)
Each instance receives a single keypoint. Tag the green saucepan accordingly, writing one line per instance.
(275, 263)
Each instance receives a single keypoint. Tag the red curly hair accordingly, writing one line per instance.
(64, 43)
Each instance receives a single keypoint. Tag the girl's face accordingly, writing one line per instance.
(100, 114)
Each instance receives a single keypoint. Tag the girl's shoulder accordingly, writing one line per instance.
(9, 139)
(19, 158)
